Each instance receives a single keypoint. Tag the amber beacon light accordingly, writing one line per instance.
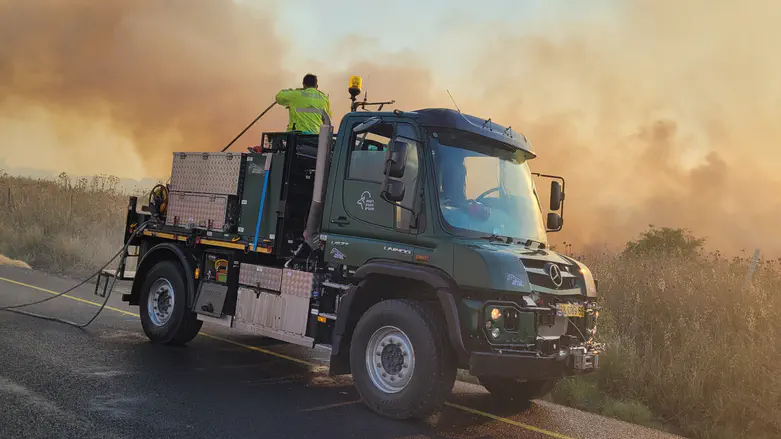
(355, 86)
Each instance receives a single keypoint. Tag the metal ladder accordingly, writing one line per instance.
(106, 274)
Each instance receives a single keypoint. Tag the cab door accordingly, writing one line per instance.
(363, 177)
(357, 213)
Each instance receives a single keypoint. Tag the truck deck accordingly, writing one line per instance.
(207, 238)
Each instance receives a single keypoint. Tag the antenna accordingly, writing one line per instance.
(355, 91)
(454, 101)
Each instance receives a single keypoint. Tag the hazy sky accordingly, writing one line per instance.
(437, 33)
(322, 38)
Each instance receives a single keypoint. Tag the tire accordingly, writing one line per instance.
(418, 347)
(508, 390)
(175, 325)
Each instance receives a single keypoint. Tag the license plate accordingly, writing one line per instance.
(570, 310)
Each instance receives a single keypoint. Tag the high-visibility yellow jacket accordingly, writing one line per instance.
(308, 109)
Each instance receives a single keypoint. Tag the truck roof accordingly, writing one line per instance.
(447, 118)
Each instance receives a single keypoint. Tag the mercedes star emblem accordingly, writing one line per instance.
(555, 274)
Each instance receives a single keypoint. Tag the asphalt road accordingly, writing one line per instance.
(108, 381)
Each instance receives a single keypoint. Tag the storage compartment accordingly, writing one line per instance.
(283, 316)
(255, 184)
(209, 173)
(259, 276)
(201, 211)
(288, 191)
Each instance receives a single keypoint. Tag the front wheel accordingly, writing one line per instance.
(164, 314)
(508, 390)
(401, 361)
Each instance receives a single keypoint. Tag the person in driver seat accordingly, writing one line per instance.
(453, 194)
(454, 181)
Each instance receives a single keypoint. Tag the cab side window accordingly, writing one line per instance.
(367, 153)
(362, 189)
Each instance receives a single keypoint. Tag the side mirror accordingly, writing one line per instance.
(554, 221)
(366, 125)
(396, 159)
(556, 196)
(394, 191)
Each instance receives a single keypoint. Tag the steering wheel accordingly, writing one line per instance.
(480, 197)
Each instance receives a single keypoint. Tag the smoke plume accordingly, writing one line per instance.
(668, 115)
(167, 76)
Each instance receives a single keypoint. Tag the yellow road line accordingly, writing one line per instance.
(121, 311)
(300, 361)
(265, 351)
(78, 299)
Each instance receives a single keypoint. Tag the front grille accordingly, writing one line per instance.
(535, 268)
(544, 281)
(536, 263)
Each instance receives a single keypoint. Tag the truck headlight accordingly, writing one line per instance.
(496, 314)
(591, 285)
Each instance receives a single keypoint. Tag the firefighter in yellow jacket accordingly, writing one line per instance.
(308, 107)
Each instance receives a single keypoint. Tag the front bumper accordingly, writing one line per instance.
(578, 360)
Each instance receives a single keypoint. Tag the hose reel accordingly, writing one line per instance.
(158, 201)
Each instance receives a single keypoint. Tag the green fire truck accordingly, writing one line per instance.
(408, 243)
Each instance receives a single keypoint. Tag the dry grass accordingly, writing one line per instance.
(61, 226)
(690, 344)
(691, 340)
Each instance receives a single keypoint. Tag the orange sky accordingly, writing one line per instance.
(667, 115)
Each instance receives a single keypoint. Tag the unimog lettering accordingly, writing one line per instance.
(397, 250)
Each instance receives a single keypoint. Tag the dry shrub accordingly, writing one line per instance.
(61, 226)
(694, 340)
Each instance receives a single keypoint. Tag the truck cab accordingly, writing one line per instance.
(444, 204)
(423, 251)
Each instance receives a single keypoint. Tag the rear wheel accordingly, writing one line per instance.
(508, 390)
(163, 305)
(401, 361)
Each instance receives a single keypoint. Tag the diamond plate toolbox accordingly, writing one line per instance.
(210, 173)
(262, 277)
(202, 211)
(297, 283)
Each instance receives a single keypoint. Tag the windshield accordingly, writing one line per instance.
(485, 188)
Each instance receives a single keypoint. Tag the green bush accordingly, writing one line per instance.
(690, 336)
